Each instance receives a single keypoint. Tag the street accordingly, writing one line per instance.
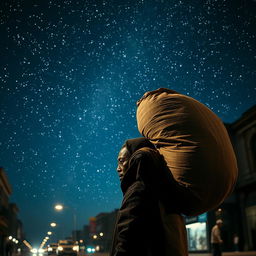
(247, 253)
(251, 253)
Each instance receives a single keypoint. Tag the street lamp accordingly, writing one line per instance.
(53, 224)
(59, 208)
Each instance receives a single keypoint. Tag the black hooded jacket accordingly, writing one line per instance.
(144, 221)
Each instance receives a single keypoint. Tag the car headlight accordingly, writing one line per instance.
(76, 248)
(60, 248)
(34, 250)
(90, 250)
(50, 249)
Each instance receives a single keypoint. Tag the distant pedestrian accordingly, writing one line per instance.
(216, 240)
(236, 242)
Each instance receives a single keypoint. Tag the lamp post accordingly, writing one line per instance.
(45, 240)
(59, 208)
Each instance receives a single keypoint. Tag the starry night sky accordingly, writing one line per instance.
(71, 72)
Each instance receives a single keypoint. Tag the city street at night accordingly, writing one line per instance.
(122, 117)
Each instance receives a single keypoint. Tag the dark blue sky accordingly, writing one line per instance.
(71, 73)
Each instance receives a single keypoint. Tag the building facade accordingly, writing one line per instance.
(105, 223)
(5, 192)
(11, 232)
(243, 134)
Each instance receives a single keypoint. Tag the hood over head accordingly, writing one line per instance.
(141, 171)
(133, 145)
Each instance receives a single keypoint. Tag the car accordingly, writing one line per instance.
(67, 247)
(52, 249)
(37, 252)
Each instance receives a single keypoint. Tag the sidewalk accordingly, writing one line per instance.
(251, 253)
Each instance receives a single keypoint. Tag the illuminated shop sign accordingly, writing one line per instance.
(199, 218)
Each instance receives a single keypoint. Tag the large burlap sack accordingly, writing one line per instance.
(194, 143)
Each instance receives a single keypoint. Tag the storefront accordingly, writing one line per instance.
(251, 226)
(197, 233)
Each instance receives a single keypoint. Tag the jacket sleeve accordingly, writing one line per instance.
(130, 223)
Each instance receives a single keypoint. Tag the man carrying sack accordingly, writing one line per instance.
(184, 165)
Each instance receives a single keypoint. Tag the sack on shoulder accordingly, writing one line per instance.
(194, 143)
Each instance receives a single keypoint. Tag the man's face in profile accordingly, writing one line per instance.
(123, 159)
(220, 224)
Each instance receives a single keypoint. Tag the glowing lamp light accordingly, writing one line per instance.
(58, 207)
(53, 224)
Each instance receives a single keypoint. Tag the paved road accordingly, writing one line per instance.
(204, 254)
